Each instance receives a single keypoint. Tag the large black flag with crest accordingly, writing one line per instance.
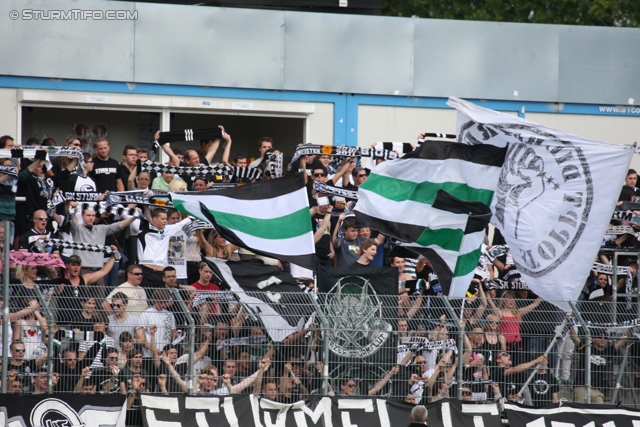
(360, 306)
(268, 293)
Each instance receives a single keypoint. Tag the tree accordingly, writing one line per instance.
(619, 13)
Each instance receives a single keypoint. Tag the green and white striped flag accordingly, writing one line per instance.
(270, 218)
(436, 198)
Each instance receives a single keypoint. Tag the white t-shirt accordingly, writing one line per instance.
(178, 254)
(153, 244)
(136, 295)
(164, 320)
(129, 324)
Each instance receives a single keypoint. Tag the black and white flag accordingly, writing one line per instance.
(267, 293)
(554, 199)
(63, 410)
(571, 415)
(253, 411)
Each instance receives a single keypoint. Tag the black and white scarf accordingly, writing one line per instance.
(9, 170)
(189, 135)
(343, 151)
(41, 153)
(142, 197)
(230, 342)
(202, 297)
(59, 243)
(321, 187)
(216, 170)
(103, 207)
(274, 164)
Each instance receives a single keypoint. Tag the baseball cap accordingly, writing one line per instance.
(74, 259)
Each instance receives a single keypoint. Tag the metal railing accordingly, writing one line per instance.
(416, 349)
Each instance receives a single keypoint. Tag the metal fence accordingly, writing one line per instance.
(86, 339)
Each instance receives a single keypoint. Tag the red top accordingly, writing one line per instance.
(210, 287)
(509, 326)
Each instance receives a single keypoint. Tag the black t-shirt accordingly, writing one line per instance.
(69, 378)
(123, 173)
(358, 265)
(323, 247)
(24, 372)
(508, 384)
(105, 174)
(601, 366)
(542, 387)
(28, 239)
(103, 376)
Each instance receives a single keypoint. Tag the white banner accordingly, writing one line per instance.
(555, 196)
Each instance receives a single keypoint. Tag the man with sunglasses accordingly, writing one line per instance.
(359, 175)
(23, 368)
(107, 377)
(347, 387)
(39, 231)
(137, 296)
(121, 321)
(504, 373)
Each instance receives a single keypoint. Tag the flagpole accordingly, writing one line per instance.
(460, 344)
(5, 314)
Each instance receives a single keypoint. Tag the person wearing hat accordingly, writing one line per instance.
(69, 294)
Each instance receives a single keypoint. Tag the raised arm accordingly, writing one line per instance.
(342, 171)
(131, 182)
(175, 375)
(524, 366)
(202, 351)
(91, 278)
(263, 366)
(173, 159)
(227, 149)
(531, 306)
(334, 238)
(376, 388)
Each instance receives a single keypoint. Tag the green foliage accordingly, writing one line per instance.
(619, 13)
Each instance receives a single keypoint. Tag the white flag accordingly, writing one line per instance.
(555, 196)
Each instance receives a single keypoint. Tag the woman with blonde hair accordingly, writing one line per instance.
(178, 184)
(494, 343)
(220, 248)
(510, 316)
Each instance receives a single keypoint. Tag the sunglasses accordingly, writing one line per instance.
(351, 385)
(136, 274)
(505, 355)
(117, 305)
(318, 175)
(41, 218)
(362, 176)
(21, 350)
(113, 358)
(466, 393)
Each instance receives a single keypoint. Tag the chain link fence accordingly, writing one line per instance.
(87, 339)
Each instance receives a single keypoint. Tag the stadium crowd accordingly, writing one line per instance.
(121, 325)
